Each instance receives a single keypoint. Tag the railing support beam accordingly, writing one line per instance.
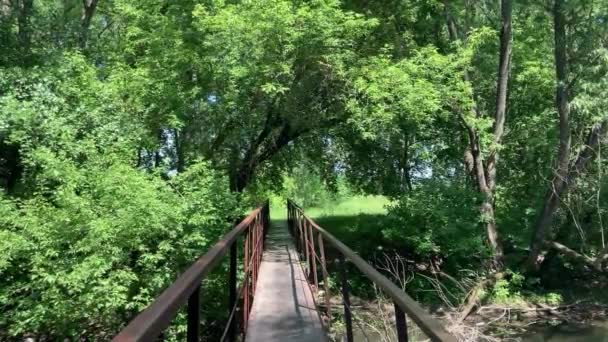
(404, 304)
(149, 324)
(401, 323)
(325, 280)
(232, 283)
(348, 320)
(313, 259)
(194, 319)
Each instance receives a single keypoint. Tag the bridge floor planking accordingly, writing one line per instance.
(283, 307)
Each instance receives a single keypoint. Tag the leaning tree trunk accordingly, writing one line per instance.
(559, 184)
(269, 142)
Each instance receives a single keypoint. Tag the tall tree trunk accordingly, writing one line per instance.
(88, 10)
(180, 162)
(5, 8)
(504, 64)
(558, 184)
(484, 172)
(406, 169)
(24, 12)
(559, 188)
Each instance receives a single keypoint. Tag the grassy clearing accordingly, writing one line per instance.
(357, 220)
(353, 206)
(348, 207)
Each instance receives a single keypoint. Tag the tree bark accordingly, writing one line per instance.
(269, 142)
(274, 136)
(23, 23)
(566, 172)
(595, 263)
(558, 183)
(209, 151)
(484, 172)
(88, 10)
(504, 63)
(5, 8)
(180, 155)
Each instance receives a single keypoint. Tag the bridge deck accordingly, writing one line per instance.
(283, 307)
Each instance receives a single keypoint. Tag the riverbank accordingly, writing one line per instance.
(556, 305)
(534, 321)
(581, 321)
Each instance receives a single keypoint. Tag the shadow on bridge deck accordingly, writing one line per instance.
(283, 308)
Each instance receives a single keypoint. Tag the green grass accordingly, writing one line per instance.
(353, 206)
(356, 221)
(348, 207)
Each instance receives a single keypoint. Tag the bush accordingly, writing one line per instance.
(84, 259)
(508, 289)
(437, 220)
(87, 238)
(306, 188)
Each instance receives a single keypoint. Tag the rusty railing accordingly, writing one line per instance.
(150, 323)
(310, 239)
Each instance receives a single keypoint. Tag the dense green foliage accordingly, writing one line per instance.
(132, 133)
(87, 238)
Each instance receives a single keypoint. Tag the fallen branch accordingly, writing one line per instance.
(595, 263)
(539, 307)
(472, 298)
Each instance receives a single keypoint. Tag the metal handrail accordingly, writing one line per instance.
(301, 227)
(151, 322)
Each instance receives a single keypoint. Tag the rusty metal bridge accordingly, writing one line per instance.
(284, 292)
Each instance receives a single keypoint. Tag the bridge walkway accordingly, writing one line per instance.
(283, 307)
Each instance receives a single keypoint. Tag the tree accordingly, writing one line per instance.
(483, 168)
(88, 10)
(290, 83)
(567, 167)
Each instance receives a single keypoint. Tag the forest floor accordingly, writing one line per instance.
(582, 309)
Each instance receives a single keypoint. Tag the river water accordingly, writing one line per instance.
(595, 332)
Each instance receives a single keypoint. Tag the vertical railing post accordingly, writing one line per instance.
(254, 251)
(245, 280)
(290, 213)
(194, 315)
(325, 279)
(300, 235)
(348, 320)
(266, 218)
(313, 258)
(401, 322)
(232, 295)
(260, 246)
(306, 239)
(289, 219)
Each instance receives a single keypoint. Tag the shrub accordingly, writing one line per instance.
(83, 259)
(437, 220)
(87, 238)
